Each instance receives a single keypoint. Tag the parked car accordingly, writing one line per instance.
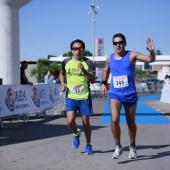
(96, 86)
(152, 84)
(41, 81)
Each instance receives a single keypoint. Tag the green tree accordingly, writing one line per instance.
(142, 74)
(42, 67)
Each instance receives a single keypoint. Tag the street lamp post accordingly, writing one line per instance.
(93, 12)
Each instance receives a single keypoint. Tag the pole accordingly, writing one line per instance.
(9, 41)
(93, 29)
(93, 12)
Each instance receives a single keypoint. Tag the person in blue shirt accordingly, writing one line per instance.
(54, 78)
(121, 66)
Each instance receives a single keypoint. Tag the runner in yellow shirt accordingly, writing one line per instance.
(78, 72)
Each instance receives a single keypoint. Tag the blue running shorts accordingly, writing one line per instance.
(83, 106)
(126, 100)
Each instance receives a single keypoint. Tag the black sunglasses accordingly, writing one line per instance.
(77, 48)
(119, 42)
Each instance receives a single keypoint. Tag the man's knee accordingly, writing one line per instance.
(131, 123)
(70, 122)
(86, 124)
(115, 121)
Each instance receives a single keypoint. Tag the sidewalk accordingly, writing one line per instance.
(46, 145)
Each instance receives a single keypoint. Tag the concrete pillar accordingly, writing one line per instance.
(9, 40)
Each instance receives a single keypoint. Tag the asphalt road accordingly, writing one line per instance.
(45, 144)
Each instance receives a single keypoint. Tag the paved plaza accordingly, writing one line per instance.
(45, 144)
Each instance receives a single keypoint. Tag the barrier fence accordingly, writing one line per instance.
(22, 100)
(143, 88)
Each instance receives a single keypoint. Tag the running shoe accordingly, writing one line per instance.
(118, 152)
(88, 149)
(133, 153)
(76, 141)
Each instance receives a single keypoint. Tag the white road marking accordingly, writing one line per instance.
(3, 137)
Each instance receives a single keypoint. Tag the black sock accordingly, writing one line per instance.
(132, 144)
(118, 144)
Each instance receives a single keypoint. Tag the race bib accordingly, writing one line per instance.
(120, 81)
(79, 89)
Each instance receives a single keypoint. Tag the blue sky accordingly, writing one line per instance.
(49, 26)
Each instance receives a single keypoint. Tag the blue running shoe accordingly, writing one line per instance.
(89, 149)
(76, 141)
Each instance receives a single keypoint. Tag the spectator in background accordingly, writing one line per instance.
(167, 79)
(47, 77)
(24, 79)
(54, 78)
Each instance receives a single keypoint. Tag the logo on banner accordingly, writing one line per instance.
(35, 97)
(16, 96)
(51, 94)
(39, 97)
(54, 94)
(9, 100)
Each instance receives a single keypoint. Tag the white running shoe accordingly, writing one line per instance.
(117, 153)
(133, 153)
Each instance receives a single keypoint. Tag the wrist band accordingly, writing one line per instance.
(103, 82)
(86, 72)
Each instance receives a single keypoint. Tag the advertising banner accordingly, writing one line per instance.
(99, 47)
(19, 99)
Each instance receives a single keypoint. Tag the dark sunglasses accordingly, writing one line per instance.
(119, 42)
(77, 48)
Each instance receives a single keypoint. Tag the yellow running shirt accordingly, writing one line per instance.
(77, 84)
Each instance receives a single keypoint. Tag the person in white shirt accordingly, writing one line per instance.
(47, 77)
(167, 79)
